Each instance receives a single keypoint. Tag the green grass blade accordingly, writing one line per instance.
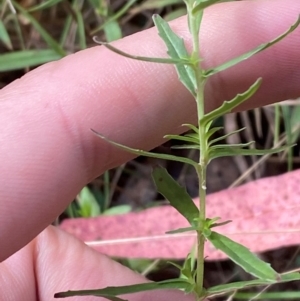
(254, 51)
(26, 58)
(243, 257)
(139, 152)
(112, 31)
(116, 15)
(294, 121)
(44, 5)
(175, 194)
(106, 192)
(286, 114)
(228, 106)
(113, 291)
(66, 27)
(177, 51)
(44, 34)
(81, 29)
(140, 58)
(4, 36)
(18, 29)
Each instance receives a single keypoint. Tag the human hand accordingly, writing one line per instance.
(49, 153)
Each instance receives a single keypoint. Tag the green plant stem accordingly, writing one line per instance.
(277, 124)
(200, 237)
(201, 169)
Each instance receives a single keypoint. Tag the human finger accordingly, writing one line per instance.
(47, 147)
(55, 261)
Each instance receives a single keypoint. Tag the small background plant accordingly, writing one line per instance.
(28, 43)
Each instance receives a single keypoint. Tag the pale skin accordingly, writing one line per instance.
(49, 153)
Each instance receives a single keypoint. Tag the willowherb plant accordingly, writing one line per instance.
(194, 77)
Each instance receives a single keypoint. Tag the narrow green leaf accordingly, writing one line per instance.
(212, 131)
(227, 152)
(78, 293)
(186, 146)
(193, 135)
(26, 58)
(286, 277)
(232, 146)
(230, 287)
(182, 138)
(113, 291)
(225, 136)
(66, 27)
(220, 224)
(283, 295)
(139, 152)
(181, 230)
(44, 5)
(44, 34)
(175, 194)
(177, 51)
(243, 257)
(204, 4)
(228, 106)
(4, 36)
(210, 221)
(175, 265)
(192, 127)
(233, 286)
(254, 51)
(140, 58)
